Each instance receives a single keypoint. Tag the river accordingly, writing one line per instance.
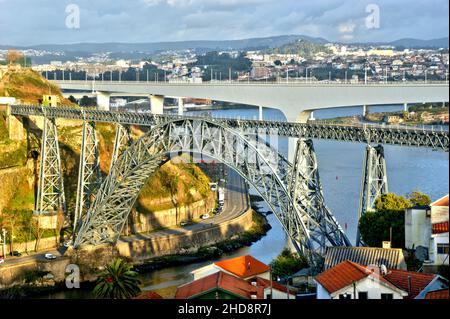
(340, 168)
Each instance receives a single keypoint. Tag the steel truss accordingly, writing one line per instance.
(122, 141)
(50, 197)
(374, 182)
(307, 194)
(89, 174)
(255, 161)
(403, 136)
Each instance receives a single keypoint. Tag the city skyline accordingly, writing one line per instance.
(44, 22)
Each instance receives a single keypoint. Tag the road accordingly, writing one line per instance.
(236, 203)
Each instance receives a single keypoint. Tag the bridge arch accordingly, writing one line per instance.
(257, 163)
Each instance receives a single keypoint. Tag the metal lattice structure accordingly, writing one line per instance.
(89, 174)
(254, 160)
(374, 181)
(376, 134)
(50, 197)
(122, 141)
(307, 194)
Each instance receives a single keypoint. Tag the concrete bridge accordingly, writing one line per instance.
(296, 100)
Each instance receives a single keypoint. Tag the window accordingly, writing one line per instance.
(387, 296)
(363, 295)
(345, 296)
(442, 249)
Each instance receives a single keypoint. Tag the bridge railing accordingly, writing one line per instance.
(283, 82)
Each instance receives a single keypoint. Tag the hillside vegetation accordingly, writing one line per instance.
(303, 48)
(28, 86)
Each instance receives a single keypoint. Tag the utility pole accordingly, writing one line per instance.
(229, 74)
(4, 242)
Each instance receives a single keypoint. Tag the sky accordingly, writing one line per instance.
(30, 22)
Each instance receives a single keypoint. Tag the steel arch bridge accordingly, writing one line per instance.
(292, 192)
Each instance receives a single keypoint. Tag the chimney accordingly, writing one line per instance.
(253, 295)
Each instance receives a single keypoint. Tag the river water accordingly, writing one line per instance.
(340, 168)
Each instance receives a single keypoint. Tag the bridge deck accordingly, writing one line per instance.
(364, 133)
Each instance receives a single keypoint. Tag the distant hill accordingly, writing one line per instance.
(244, 44)
(415, 43)
(303, 48)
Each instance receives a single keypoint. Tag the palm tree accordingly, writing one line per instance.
(117, 281)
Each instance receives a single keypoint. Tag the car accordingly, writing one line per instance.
(2, 260)
(15, 253)
(213, 186)
(205, 216)
(184, 223)
(49, 256)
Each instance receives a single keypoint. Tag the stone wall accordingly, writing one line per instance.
(144, 223)
(147, 247)
(14, 274)
(48, 243)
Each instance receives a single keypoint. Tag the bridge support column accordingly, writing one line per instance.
(156, 104)
(180, 106)
(89, 175)
(306, 191)
(374, 182)
(122, 141)
(365, 110)
(103, 100)
(260, 113)
(405, 107)
(50, 196)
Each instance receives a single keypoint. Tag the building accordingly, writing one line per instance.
(148, 295)
(426, 231)
(219, 285)
(438, 294)
(350, 280)
(50, 100)
(244, 267)
(272, 289)
(417, 285)
(392, 258)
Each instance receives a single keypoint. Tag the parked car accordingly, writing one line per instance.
(205, 216)
(15, 253)
(49, 256)
(184, 223)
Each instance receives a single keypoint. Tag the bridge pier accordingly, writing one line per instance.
(180, 106)
(260, 113)
(156, 104)
(50, 198)
(374, 182)
(365, 110)
(405, 107)
(306, 192)
(103, 100)
(89, 175)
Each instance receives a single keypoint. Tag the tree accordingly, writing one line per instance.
(12, 56)
(87, 101)
(388, 217)
(118, 281)
(72, 99)
(419, 199)
(391, 202)
(287, 264)
(277, 62)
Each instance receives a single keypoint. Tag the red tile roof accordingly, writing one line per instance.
(243, 266)
(438, 294)
(440, 228)
(219, 280)
(261, 282)
(419, 281)
(441, 202)
(148, 295)
(344, 274)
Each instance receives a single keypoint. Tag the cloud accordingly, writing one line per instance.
(24, 22)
